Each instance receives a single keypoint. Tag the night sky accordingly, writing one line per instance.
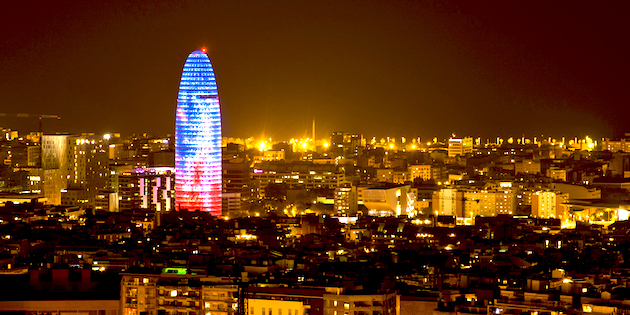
(381, 68)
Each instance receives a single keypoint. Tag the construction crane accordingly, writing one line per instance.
(39, 116)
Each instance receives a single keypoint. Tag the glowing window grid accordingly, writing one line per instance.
(198, 138)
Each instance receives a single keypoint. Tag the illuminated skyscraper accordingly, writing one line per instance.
(198, 138)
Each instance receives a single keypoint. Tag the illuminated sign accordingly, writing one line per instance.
(177, 271)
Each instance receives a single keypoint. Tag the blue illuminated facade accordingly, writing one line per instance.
(198, 138)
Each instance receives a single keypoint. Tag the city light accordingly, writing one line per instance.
(463, 161)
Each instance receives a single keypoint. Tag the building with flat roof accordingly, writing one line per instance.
(61, 307)
(78, 162)
(176, 291)
(466, 203)
(308, 175)
(59, 291)
(388, 200)
(459, 146)
(620, 183)
(617, 145)
(422, 171)
(378, 303)
(146, 188)
(346, 202)
(548, 204)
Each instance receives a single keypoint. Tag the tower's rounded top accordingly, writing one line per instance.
(201, 51)
(197, 76)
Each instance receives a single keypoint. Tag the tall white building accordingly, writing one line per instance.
(74, 162)
(346, 200)
(55, 166)
(548, 204)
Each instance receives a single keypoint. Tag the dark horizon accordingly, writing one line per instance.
(397, 68)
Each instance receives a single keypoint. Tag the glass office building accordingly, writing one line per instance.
(198, 138)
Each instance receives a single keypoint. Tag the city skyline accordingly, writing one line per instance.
(363, 157)
(379, 69)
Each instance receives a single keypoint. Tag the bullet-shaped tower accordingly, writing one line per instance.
(198, 138)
